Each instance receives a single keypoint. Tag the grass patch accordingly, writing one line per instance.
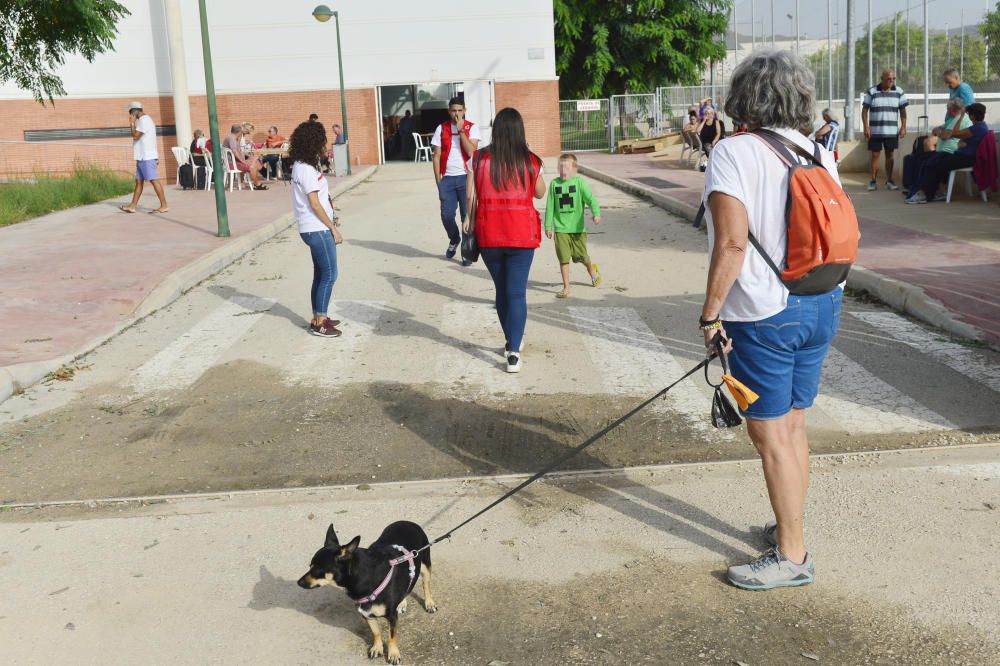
(88, 183)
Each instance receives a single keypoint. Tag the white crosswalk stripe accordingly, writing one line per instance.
(330, 362)
(958, 358)
(468, 328)
(185, 359)
(632, 361)
(860, 402)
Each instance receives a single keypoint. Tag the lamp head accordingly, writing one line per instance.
(322, 13)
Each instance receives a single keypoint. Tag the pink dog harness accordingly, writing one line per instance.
(407, 556)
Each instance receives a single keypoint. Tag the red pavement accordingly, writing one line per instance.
(71, 276)
(964, 277)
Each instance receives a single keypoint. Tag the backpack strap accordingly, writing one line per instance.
(774, 139)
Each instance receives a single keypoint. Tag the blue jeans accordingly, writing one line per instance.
(324, 256)
(780, 358)
(451, 192)
(509, 266)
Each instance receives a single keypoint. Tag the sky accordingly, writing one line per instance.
(813, 20)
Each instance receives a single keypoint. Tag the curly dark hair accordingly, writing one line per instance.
(306, 144)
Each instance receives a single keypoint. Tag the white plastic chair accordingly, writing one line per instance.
(233, 175)
(968, 183)
(207, 154)
(182, 156)
(423, 152)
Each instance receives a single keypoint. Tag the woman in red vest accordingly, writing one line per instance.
(503, 178)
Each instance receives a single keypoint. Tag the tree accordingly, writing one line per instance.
(605, 48)
(945, 53)
(37, 35)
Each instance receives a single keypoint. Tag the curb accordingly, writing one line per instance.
(901, 296)
(15, 378)
(670, 204)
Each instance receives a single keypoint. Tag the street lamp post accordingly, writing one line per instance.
(221, 212)
(322, 13)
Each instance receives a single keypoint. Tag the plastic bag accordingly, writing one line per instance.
(723, 413)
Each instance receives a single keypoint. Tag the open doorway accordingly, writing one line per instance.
(419, 108)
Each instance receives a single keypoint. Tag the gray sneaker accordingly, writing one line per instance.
(890, 185)
(872, 186)
(771, 532)
(772, 569)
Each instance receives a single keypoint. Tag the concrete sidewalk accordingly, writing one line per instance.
(937, 262)
(614, 568)
(74, 278)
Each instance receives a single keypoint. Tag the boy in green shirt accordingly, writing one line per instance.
(569, 194)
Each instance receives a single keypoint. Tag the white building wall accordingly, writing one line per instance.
(269, 45)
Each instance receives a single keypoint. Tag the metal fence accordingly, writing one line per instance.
(583, 124)
(634, 116)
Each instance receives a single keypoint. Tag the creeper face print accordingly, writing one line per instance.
(565, 199)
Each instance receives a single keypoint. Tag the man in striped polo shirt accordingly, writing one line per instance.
(884, 117)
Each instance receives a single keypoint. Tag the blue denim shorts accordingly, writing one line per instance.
(780, 358)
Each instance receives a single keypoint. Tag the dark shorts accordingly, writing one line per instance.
(877, 144)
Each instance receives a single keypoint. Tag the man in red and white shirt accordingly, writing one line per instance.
(454, 143)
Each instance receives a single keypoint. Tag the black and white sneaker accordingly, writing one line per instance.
(513, 362)
(452, 249)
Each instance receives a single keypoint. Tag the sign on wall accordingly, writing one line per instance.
(588, 105)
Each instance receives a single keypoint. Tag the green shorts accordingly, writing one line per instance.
(572, 247)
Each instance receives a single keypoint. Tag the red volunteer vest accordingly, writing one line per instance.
(507, 217)
(446, 144)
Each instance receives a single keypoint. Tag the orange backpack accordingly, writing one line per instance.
(822, 226)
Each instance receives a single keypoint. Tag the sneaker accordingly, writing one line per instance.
(772, 569)
(940, 196)
(596, 280)
(328, 329)
(889, 185)
(872, 186)
(466, 263)
(771, 532)
(917, 198)
(452, 249)
(506, 347)
(513, 362)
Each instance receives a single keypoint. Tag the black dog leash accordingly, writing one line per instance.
(573, 452)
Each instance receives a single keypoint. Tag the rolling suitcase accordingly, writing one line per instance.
(185, 177)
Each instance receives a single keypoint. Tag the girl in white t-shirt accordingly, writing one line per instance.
(313, 212)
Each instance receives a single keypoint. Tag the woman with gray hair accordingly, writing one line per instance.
(776, 339)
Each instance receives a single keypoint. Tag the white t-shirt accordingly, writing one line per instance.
(305, 179)
(744, 168)
(144, 148)
(455, 166)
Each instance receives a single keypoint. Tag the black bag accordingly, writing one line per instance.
(185, 177)
(724, 415)
(470, 244)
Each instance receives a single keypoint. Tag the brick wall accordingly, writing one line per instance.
(286, 110)
(538, 103)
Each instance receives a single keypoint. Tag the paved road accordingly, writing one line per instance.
(611, 569)
(224, 389)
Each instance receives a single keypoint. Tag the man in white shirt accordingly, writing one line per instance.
(146, 157)
(449, 168)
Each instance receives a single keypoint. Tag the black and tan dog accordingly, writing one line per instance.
(377, 578)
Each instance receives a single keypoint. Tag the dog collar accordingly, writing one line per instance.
(407, 556)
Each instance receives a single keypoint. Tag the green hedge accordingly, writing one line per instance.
(88, 183)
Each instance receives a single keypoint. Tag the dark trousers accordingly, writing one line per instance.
(937, 174)
(199, 171)
(451, 192)
(509, 267)
(914, 166)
